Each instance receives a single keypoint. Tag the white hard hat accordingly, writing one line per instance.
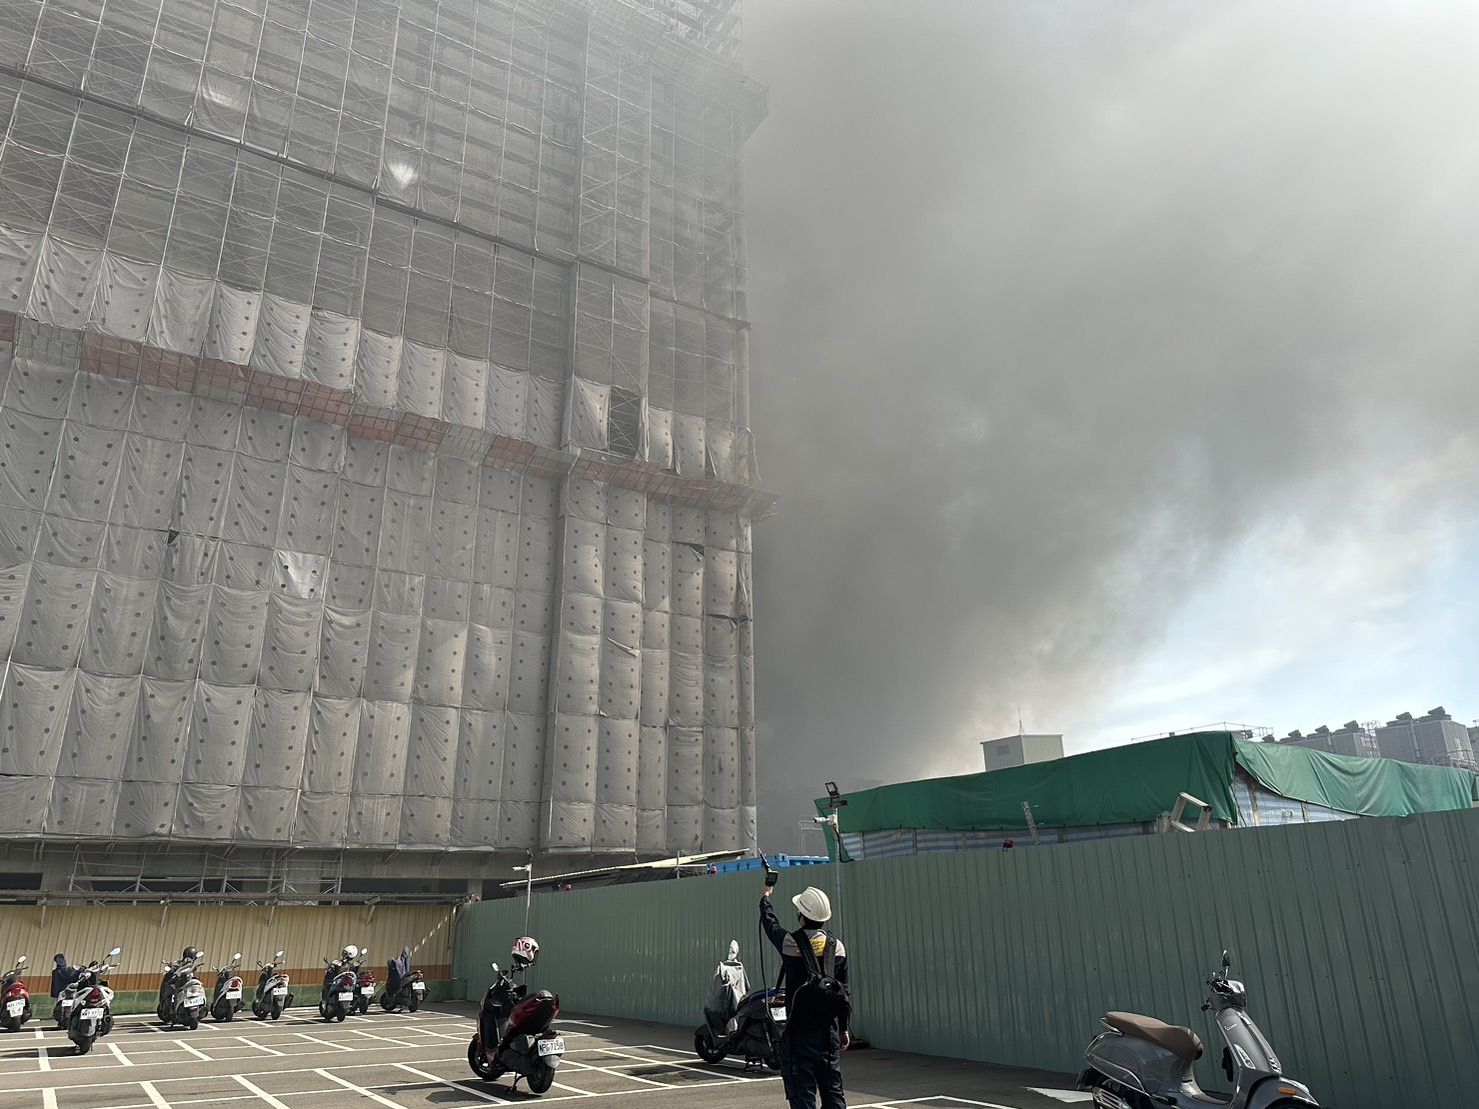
(813, 904)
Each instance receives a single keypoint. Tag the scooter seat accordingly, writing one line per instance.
(1180, 1042)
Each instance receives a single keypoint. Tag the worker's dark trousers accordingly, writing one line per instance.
(811, 1065)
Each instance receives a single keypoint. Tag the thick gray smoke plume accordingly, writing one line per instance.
(1054, 305)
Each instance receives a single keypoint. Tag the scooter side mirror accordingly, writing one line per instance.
(280, 954)
(118, 951)
(1226, 961)
(21, 961)
(495, 968)
(236, 957)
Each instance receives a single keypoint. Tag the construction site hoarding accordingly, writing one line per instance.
(1013, 957)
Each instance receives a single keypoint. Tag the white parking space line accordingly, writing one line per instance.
(43, 1058)
(326, 1043)
(901, 1103)
(382, 1039)
(153, 1095)
(259, 1047)
(348, 1085)
(261, 1093)
(118, 1052)
(616, 1073)
(48, 1098)
(40, 1033)
(458, 1086)
(1067, 1096)
(198, 1054)
(585, 1023)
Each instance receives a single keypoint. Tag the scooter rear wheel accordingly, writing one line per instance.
(12, 1024)
(414, 1003)
(541, 1079)
(83, 1045)
(707, 1049)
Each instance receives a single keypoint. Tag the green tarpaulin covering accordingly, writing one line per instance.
(1368, 787)
(1135, 784)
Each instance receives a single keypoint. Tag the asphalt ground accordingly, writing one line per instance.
(419, 1061)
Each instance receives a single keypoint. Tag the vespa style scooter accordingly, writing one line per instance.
(1142, 1063)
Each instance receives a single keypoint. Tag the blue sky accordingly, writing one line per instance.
(1301, 628)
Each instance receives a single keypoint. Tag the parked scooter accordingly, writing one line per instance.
(1141, 1063)
(364, 983)
(404, 987)
(90, 1013)
(227, 1001)
(341, 979)
(181, 993)
(272, 995)
(16, 997)
(738, 1021)
(514, 1032)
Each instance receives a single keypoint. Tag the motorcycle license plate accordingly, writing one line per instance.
(233, 994)
(67, 1003)
(15, 1008)
(280, 991)
(346, 997)
(419, 987)
(778, 1014)
(92, 1014)
(368, 991)
(555, 1046)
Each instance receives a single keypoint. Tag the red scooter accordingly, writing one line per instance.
(16, 997)
(364, 984)
(514, 1032)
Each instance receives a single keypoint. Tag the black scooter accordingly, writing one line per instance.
(514, 1033)
(740, 1021)
(404, 988)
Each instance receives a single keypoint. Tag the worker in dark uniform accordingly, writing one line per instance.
(811, 1062)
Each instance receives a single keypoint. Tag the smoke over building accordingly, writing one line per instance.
(375, 472)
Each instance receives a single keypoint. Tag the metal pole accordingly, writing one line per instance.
(528, 895)
(837, 867)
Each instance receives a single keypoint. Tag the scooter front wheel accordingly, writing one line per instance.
(707, 1049)
(481, 1067)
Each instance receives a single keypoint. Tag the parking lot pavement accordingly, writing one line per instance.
(419, 1061)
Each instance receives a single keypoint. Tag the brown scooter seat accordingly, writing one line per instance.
(1180, 1042)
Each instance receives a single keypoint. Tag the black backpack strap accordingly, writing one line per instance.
(803, 948)
(829, 957)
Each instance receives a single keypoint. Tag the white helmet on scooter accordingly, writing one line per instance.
(813, 904)
(349, 954)
(525, 952)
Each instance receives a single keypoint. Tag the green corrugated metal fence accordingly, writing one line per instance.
(1357, 941)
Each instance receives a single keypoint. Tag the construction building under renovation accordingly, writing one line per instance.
(376, 482)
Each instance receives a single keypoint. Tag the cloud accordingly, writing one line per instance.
(1055, 307)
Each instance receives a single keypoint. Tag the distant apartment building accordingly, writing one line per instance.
(1351, 738)
(1436, 739)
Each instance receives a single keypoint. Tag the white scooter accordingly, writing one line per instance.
(1143, 1063)
(90, 1013)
